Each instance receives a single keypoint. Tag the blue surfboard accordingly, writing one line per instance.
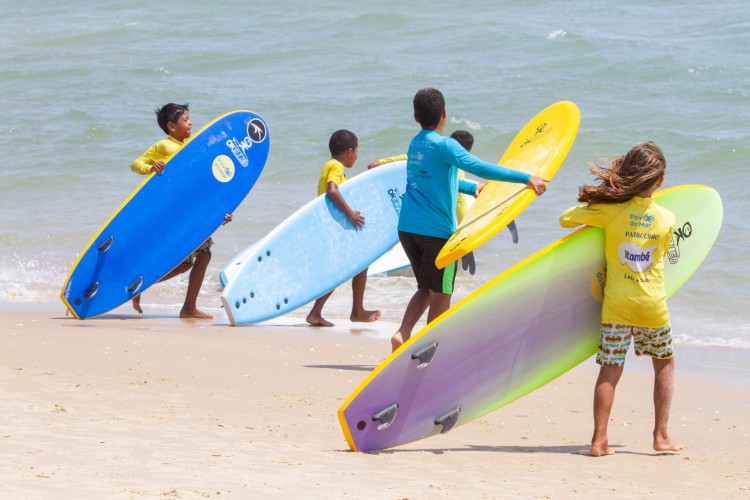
(316, 249)
(169, 215)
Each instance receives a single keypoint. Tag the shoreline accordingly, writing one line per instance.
(721, 364)
(158, 407)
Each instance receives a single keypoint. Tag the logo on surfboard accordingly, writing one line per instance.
(223, 168)
(256, 133)
(256, 130)
(684, 232)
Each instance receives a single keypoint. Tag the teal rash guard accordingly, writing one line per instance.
(432, 186)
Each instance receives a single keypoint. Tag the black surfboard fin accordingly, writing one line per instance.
(425, 355)
(448, 420)
(91, 291)
(135, 286)
(513, 231)
(106, 244)
(386, 417)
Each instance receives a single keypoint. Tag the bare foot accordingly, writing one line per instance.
(666, 445)
(365, 316)
(137, 304)
(317, 320)
(600, 450)
(396, 341)
(194, 314)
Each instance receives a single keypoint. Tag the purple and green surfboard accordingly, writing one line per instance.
(526, 327)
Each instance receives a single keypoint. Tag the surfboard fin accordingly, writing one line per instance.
(425, 355)
(88, 294)
(513, 231)
(106, 244)
(386, 417)
(448, 420)
(136, 285)
(469, 263)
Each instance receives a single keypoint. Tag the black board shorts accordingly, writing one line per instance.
(422, 251)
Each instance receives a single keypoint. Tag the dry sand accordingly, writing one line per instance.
(157, 407)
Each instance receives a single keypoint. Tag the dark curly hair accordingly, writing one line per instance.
(341, 141)
(170, 113)
(429, 104)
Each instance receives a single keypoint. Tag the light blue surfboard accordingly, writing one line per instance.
(316, 249)
(169, 215)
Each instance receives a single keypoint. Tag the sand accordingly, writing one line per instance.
(157, 407)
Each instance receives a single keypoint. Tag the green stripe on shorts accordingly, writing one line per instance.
(449, 272)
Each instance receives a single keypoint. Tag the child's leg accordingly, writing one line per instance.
(604, 397)
(195, 281)
(439, 303)
(416, 308)
(663, 390)
(315, 317)
(359, 313)
(183, 267)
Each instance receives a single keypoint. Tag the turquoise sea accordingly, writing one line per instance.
(79, 83)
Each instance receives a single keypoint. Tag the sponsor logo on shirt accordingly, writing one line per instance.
(637, 259)
(645, 220)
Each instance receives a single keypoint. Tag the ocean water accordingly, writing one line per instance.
(78, 87)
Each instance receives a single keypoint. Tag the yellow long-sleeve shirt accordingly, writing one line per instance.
(162, 150)
(637, 235)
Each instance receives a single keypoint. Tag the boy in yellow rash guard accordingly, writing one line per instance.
(344, 148)
(174, 120)
(637, 232)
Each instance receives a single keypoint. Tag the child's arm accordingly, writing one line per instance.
(470, 163)
(383, 161)
(332, 191)
(145, 164)
(597, 215)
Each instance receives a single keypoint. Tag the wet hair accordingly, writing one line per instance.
(341, 141)
(429, 104)
(464, 138)
(170, 113)
(627, 176)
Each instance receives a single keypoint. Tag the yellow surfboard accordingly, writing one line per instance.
(539, 149)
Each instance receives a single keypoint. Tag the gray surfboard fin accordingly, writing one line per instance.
(91, 291)
(425, 354)
(513, 231)
(106, 244)
(136, 285)
(448, 420)
(386, 417)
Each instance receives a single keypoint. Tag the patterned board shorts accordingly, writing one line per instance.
(615, 342)
(204, 248)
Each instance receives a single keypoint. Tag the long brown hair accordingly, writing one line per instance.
(626, 176)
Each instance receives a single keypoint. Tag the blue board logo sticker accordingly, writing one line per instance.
(256, 133)
(256, 130)
(223, 168)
